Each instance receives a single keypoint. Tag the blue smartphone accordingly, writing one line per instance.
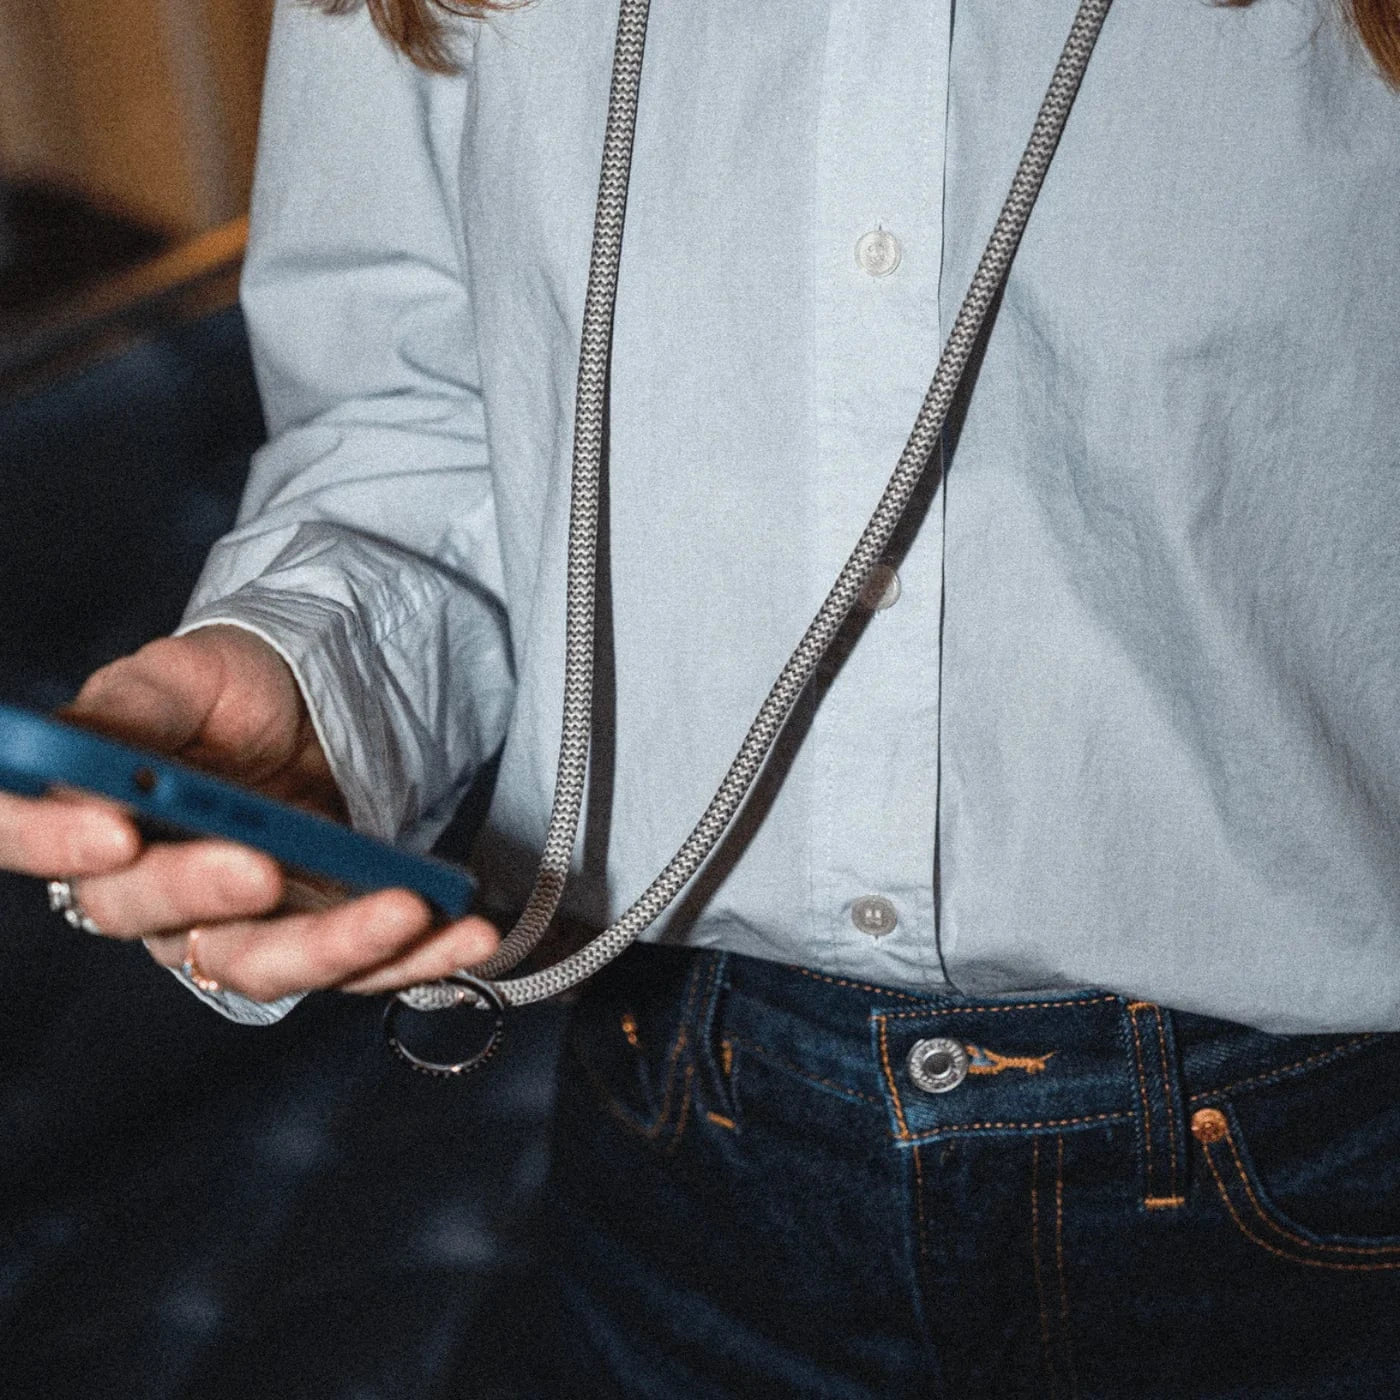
(170, 801)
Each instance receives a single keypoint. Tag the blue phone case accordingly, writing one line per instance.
(37, 752)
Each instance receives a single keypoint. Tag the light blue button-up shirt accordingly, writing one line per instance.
(1133, 720)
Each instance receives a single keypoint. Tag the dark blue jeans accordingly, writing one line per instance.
(752, 1196)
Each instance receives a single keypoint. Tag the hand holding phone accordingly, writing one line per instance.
(170, 801)
(221, 699)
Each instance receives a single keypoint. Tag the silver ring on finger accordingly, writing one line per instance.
(63, 900)
(191, 968)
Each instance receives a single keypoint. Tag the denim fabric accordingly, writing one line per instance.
(751, 1197)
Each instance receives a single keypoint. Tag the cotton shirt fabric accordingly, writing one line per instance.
(1133, 720)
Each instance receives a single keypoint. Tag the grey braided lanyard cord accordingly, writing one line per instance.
(583, 536)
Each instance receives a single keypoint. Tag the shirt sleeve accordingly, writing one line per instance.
(365, 549)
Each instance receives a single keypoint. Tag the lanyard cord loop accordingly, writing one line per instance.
(583, 530)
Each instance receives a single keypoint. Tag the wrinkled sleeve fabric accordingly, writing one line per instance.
(365, 549)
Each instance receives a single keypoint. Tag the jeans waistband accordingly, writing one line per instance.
(1057, 1063)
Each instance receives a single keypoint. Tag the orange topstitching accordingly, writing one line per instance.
(1142, 1090)
(1322, 1057)
(1274, 1249)
(1009, 1006)
(1035, 1264)
(1167, 1097)
(1392, 1250)
(859, 986)
(1060, 1258)
(889, 1079)
(990, 1062)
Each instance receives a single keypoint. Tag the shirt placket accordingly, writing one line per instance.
(874, 732)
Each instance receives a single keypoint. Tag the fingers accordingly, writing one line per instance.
(378, 943)
(356, 942)
(60, 837)
(175, 884)
(462, 944)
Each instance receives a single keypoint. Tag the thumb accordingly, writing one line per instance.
(157, 698)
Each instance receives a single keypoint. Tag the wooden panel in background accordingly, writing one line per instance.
(146, 107)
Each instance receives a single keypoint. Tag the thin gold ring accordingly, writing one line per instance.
(191, 968)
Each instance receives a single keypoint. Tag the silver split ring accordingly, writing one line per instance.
(63, 901)
(459, 989)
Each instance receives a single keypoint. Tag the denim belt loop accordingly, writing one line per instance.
(1162, 1136)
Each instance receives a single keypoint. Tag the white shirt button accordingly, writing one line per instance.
(881, 589)
(874, 914)
(878, 252)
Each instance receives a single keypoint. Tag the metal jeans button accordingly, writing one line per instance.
(937, 1065)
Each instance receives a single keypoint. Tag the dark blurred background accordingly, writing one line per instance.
(192, 1208)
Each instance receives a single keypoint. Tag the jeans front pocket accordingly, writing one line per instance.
(1307, 1165)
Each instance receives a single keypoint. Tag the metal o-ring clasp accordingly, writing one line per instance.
(471, 993)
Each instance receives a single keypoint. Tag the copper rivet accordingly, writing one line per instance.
(1208, 1125)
